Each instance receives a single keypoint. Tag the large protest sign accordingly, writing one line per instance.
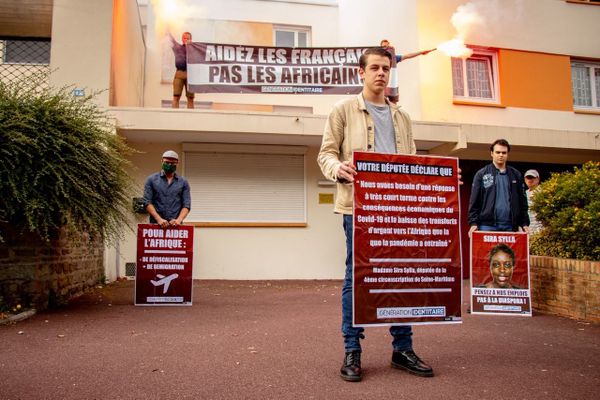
(164, 265)
(407, 260)
(225, 68)
(500, 273)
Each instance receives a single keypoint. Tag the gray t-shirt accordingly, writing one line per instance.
(385, 137)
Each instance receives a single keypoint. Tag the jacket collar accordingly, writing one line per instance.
(163, 174)
(363, 106)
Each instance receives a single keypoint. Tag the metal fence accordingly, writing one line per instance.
(23, 58)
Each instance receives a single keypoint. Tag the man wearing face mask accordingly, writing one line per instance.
(166, 194)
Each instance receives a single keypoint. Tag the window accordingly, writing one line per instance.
(291, 36)
(585, 79)
(246, 184)
(26, 52)
(476, 78)
(22, 59)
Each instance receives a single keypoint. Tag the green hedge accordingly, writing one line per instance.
(61, 164)
(568, 206)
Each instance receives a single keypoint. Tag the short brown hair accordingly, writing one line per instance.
(501, 142)
(378, 51)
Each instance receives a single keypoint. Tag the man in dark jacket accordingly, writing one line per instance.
(498, 201)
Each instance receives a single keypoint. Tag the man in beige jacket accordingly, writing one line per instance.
(367, 122)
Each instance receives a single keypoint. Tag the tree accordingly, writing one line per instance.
(61, 164)
(568, 206)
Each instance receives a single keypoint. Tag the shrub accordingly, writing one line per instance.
(61, 164)
(568, 205)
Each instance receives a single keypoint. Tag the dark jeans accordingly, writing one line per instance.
(402, 334)
(496, 228)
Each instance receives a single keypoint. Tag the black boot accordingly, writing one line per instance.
(409, 361)
(350, 370)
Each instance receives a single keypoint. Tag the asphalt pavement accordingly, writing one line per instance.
(281, 340)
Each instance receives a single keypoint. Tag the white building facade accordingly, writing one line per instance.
(260, 205)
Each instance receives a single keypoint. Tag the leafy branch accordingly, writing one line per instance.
(61, 163)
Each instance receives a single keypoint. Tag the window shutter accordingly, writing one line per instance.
(581, 85)
(243, 187)
(479, 76)
(597, 75)
(457, 77)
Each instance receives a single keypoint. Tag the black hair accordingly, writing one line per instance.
(501, 142)
(502, 248)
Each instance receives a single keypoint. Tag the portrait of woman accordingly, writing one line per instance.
(502, 266)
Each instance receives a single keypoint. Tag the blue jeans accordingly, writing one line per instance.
(402, 335)
(496, 228)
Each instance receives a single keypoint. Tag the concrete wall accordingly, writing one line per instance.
(555, 27)
(367, 23)
(128, 56)
(81, 45)
(84, 39)
(208, 16)
(570, 288)
(349, 24)
(316, 251)
(411, 25)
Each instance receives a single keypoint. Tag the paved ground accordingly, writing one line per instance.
(280, 340)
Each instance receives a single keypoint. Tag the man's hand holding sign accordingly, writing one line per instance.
(407, 264)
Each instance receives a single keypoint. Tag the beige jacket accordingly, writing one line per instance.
(349, 128)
